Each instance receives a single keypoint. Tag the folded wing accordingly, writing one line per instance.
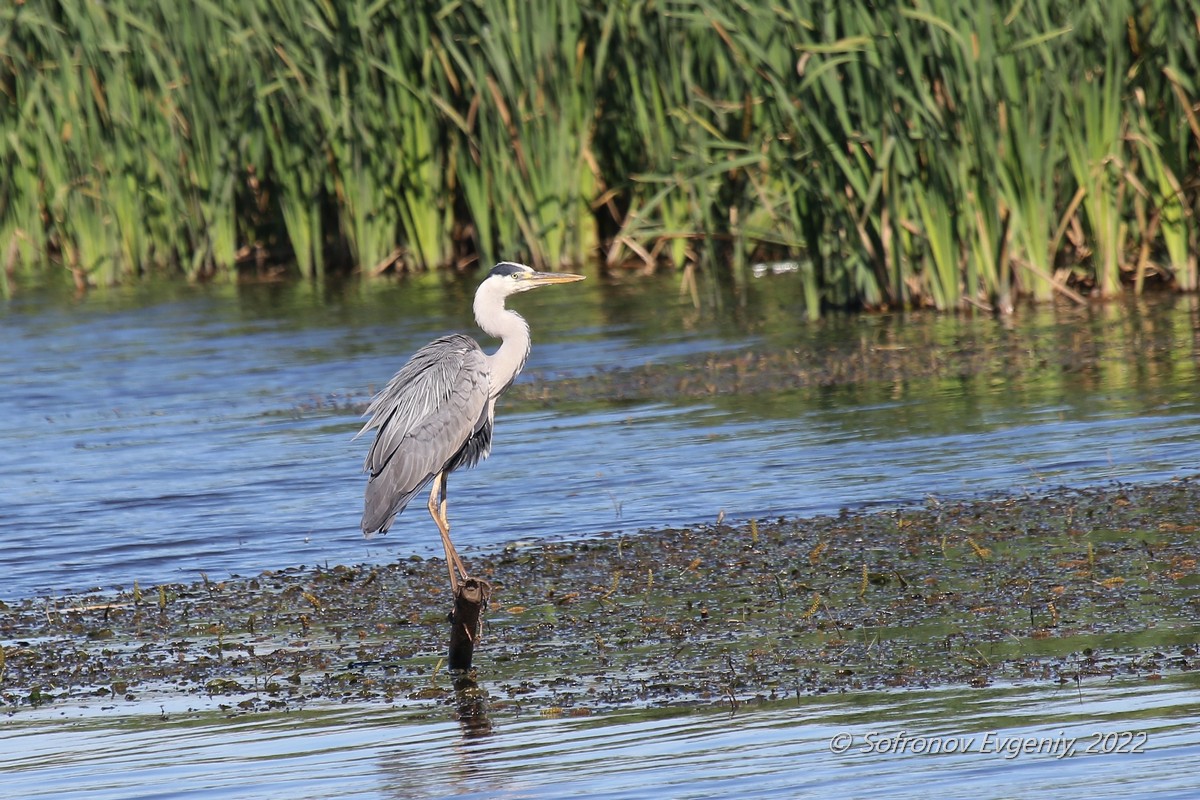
(434, 407)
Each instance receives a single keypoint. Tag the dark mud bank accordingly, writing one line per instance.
(1067, 587)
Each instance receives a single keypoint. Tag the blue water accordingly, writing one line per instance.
(1006, 743)
(211, 430)
(152, 437)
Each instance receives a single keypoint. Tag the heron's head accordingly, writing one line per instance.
(508, 278)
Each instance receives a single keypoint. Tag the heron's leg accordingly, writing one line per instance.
(437, 510)
(458, 562)
(435, 505)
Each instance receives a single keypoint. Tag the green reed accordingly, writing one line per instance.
(927, 152)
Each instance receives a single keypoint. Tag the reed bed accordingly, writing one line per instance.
(923, 153)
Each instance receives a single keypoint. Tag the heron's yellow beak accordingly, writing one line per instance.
(547, 278)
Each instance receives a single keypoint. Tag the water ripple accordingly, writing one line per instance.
(778, 750)
(159, 442)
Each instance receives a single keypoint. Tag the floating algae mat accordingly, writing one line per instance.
(1064, 587)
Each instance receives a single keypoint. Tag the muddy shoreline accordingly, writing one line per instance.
(1063, 587)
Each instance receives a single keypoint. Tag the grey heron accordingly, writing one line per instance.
(436, 414)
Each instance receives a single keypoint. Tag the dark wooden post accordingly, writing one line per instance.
(466, 623)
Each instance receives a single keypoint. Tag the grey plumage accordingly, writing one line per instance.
(437, 413)
(434, 415)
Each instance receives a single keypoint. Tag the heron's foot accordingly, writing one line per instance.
(473, 590)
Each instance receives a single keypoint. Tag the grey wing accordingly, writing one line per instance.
(424, 417)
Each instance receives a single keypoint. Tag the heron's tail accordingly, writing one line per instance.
(381, 506)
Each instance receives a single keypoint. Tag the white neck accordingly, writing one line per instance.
(512, 331)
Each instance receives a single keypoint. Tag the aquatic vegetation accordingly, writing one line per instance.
(1060, 588)
(937, 153)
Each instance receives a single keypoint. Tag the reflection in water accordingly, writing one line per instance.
(423, 757)
(471, 701)
(768, 751)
